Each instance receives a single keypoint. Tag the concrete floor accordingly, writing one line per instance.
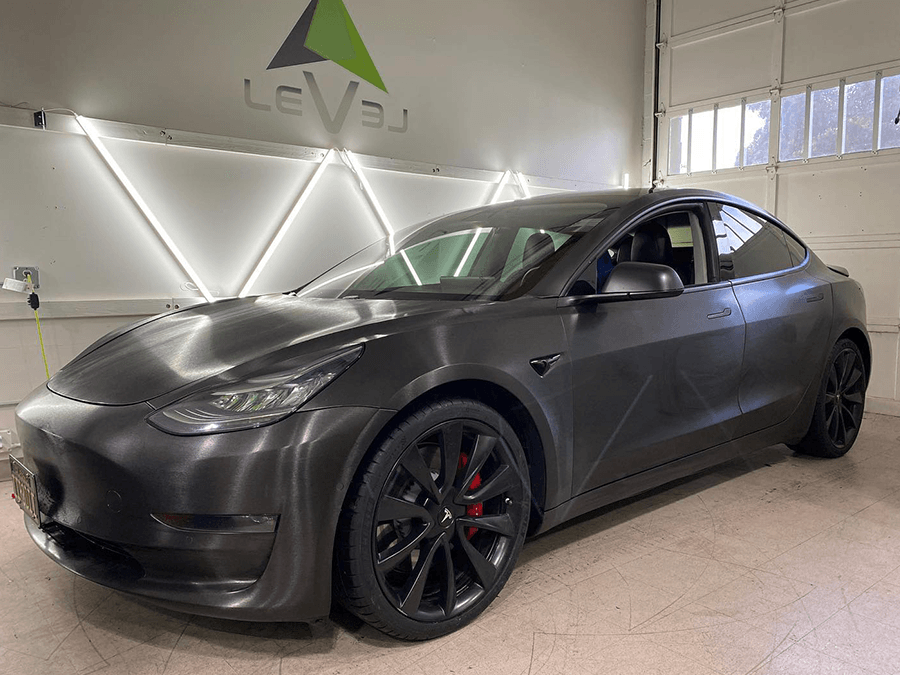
(770, 564)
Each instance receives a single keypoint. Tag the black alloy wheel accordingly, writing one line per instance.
(436, 522)
(844, 396)
(840, 405)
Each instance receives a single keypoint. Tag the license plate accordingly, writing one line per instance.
(24, 489)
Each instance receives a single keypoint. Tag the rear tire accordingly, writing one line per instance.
(433, 524)
(839, 407)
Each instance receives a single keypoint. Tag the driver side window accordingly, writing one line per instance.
(674, 239)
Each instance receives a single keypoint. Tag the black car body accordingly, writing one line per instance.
(610, 391)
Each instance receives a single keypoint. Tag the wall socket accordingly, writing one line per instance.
(21, 273)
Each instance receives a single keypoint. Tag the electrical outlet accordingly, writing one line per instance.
(21, 273)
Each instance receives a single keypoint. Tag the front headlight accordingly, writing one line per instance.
(253, 402)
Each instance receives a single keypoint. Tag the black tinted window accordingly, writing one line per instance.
(798, 250)
(747, 244)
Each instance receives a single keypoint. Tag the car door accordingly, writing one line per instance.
(655, 379)
(787, 312)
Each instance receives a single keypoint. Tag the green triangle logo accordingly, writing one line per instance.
(325, 32)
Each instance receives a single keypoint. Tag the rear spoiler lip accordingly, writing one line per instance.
(840, 270)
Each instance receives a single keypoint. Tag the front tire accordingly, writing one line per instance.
(840, 404)
(433, 525)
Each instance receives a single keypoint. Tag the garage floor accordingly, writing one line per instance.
(770, 564)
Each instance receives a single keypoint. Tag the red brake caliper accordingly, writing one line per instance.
(473, 509)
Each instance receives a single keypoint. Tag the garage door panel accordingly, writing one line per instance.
(885, 382)
(722, 65)
(840, 36)
(869, 267)
(689, 15)
(851, 199)
(751, 187)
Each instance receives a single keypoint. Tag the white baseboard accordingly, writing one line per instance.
(883, 406)
(4, 466)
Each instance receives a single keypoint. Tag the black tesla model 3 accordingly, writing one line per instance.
(390, 432)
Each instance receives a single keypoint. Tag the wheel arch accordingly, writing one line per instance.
(532, 429)
(858, 337)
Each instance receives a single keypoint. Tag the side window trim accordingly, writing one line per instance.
(698, 208)
(714, 206)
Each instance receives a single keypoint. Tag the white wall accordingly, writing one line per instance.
(552, 91)
(844, 207)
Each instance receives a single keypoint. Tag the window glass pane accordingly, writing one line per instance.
(859, 112)
(748, 245)
(756, 133)
(798, 250)
(793, 123)
(890, 104)
(728, 137)
(823, 121)
(701, 141)
(678, 144)
(533, 239)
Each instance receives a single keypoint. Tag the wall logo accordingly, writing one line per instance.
(325, 32)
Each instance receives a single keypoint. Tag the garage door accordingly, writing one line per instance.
(792, 106)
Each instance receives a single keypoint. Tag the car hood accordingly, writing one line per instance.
(152, 358)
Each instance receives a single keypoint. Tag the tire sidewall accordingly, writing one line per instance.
(818, 441)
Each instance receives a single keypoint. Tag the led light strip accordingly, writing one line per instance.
(88, 128)
(504, 179)
(379, 212)
(411, 268)
(462, 263)
(373, 200)
(523, 186)
(286, 225)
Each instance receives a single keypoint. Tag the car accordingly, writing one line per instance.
(388, 434)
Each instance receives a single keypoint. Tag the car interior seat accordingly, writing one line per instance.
(623, 250)
(537, 246)
(652, 244)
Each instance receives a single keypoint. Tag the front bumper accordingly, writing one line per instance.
(102, 471)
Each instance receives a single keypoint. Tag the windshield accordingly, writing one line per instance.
(485, 254)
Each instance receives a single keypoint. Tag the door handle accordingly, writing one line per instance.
(720, 315)
(815, 297)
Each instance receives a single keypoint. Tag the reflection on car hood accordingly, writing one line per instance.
(155, 357)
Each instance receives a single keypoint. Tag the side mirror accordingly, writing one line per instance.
(635, 281)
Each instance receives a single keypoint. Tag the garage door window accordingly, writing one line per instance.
(889, 136)
(748, 245)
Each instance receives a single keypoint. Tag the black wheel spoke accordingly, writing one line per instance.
(394, 555)
(412, 595)
(503, 480)
(855, 375)
(483, 567)
(484, 446)
(849, 420)
(855, 397)
(841, 435)
(450, 581)
(845, 368)
(501, 523)
(451, 445)
(412, 461)
(831, 423)
(392, 508)
(833, 379)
